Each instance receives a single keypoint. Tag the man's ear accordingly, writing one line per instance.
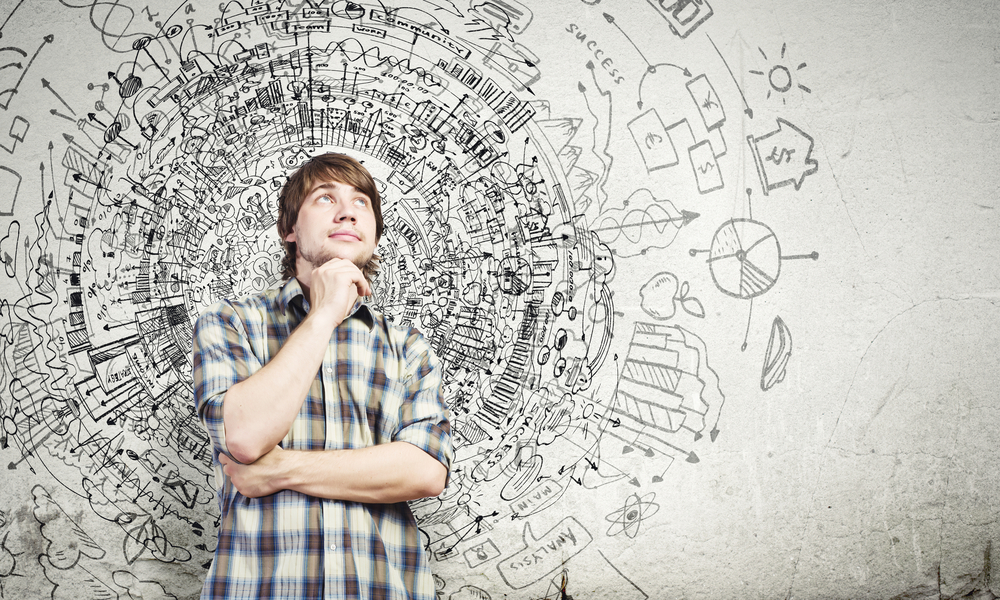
(290, 237)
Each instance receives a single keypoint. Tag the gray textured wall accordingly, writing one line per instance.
(715, 284)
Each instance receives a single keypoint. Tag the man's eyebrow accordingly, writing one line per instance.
(333, 184)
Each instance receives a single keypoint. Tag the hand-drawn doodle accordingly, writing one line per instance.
(506, 233)
(789, 165)
(18, 130)
(699, 130)
(659, 297)
(67, 543)
(8, 562)
(542, 555)
(779, 76)
(683, 16)
(746, 106)
(470, 592)
(652, 224)
(9, 248)
(629, 517)
(667, 395)
(137, 589)
(13, 59)
(745, 258)
(779, 350)
(10, 184)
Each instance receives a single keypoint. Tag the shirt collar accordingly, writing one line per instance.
(291, 294)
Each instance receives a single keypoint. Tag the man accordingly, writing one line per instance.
(324, 418)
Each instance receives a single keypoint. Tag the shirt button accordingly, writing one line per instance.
(333, 546)
(329, 370)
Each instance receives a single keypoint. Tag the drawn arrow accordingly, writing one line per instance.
(686, 217)
(48, 86)
(747, 109)
(79, 178)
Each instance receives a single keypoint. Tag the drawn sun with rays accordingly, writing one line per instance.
(780, 76)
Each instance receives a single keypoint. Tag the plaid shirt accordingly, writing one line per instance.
(377, 384)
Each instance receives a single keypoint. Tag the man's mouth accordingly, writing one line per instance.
(345, 234)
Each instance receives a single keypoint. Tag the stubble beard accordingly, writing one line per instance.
(325, 255)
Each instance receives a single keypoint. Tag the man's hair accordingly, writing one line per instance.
(324, 167)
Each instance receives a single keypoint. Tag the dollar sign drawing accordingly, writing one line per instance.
(781, 157)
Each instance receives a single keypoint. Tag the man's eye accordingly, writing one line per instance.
(360, 201)
(324, 198)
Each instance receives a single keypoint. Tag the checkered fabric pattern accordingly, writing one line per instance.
(378, 383)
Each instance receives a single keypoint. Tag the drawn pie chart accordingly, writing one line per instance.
(745, 258)
(514, 276)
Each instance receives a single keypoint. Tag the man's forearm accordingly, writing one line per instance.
(381, 474)
(259, 410)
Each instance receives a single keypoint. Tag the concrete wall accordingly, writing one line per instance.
(715, 284)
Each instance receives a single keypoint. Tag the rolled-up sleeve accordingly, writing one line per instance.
(222, 358)
(423, 416)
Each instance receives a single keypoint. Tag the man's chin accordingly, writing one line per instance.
(359, 260)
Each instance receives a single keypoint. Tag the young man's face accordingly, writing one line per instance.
(335, 221)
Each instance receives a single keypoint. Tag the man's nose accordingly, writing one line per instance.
(345, 210)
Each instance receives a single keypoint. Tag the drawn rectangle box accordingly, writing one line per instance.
(683, 16)
(654, 142)
(481, 553)
(707, 101)
(366, 30)
(706, 167)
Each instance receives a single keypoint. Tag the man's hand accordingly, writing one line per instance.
(261, 478)
(335, 286)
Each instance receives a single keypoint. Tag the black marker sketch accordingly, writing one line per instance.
(507, 235)
(745, 258)
(593, 48)
(779, 76)
(789, 159)
(668, 396)
(503, 15)
(628, 519)
(12, 59)
(622, 575)
(10, 184)
(8, 562)
(683, 16)
(18, 130)
(746, 107)
(652, 224)
(653, 140)
(696, 124)
(9, 15)
(470, 592)
(779, 350)
(659, 297)
(542, 555)
(137, 589)
(67, 543)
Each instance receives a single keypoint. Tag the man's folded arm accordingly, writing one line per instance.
(414, 464)
(380, 474)
(253, 405)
